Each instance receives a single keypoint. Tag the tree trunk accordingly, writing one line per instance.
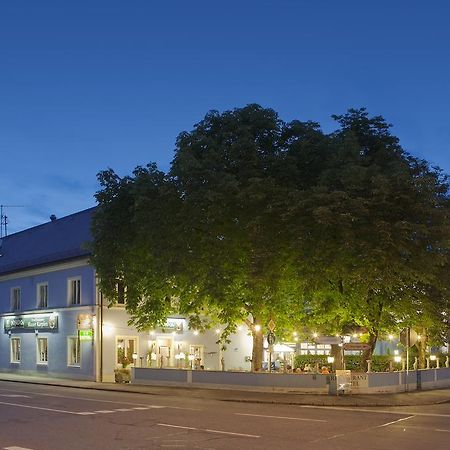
(257, 351)
(258, 345)
(422, 347)
(375, 310)
(367, 354)
(336, 352)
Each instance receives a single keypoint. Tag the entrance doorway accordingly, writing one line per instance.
(164, 352)
(126, 347)
(196, 353)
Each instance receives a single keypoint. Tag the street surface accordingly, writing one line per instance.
(57, 418)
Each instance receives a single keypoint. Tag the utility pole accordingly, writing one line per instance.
(4, 219)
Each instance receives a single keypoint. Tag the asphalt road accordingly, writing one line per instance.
(55, 418)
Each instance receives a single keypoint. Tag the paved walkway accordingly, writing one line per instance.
(402, 399)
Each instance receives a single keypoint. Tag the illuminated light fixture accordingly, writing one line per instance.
(257, 327)
(419, 337)
(395, 352)
(397, 358)
(239, 328)
(195, 333)
(330, 359)
(294, 333)
(432, 357)
(315, 335)
(152, 332)
(191, 357)
(217, 330)
(135, 356)
(296, 339)
(390, 337)
(107, 329)
(354, 335)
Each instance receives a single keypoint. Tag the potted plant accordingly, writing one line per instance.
(123, 374)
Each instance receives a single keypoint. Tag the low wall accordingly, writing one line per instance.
(314, 383)
(361, 383)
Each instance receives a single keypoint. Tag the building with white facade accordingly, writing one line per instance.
(54, 321)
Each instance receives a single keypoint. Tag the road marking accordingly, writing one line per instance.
(123, 409)
(14, 395)
(373, 411)
(17, 448)
(418, 427)
(394, 421)
(104, 411)
(100, 400)
(38, 407)
(280, 417)
(208, 430)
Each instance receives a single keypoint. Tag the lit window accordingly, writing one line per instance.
(73, 351)
(15, 298)
(42, 295)
(42, 350)
(74, 291)
(15, 350)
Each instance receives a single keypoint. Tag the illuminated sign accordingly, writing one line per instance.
(85, 321)
(44, 322)
(86, 335)
(173, 325)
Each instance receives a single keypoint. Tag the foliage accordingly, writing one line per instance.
(261, 219)
(380, 363)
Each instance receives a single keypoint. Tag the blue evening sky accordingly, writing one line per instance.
(90, 84)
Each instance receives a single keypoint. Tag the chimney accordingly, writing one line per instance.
(52, 217)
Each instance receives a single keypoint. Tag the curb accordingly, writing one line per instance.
(420, 398)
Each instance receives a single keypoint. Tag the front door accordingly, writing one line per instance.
(126, 347)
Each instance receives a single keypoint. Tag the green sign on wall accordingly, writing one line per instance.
(86, 335)
(42, 322)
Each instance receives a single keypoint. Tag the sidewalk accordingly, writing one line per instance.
(403, 399)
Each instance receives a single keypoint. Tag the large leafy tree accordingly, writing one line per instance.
(261, 219)
(230, 174)
(379, 229)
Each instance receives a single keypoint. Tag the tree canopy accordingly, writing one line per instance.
(260, 219)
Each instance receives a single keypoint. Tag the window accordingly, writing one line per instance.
(73, 351)
(42, 350)
(74, 291)
(15, 298)
(15, 350)
(42, 295)
(121, 294)
(126, 347)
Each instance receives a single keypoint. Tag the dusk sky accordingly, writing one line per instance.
(88, 84)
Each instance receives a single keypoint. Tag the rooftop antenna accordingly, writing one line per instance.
(4, 219)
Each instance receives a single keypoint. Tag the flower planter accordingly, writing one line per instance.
(122, 375)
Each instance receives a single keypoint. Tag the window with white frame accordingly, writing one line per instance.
(42, 295)
(42, 351)
(16, 295)
(15, 350)
(73, 351)
(74, 291)
(121, 294)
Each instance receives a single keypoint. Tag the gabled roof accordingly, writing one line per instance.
(56, 241)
